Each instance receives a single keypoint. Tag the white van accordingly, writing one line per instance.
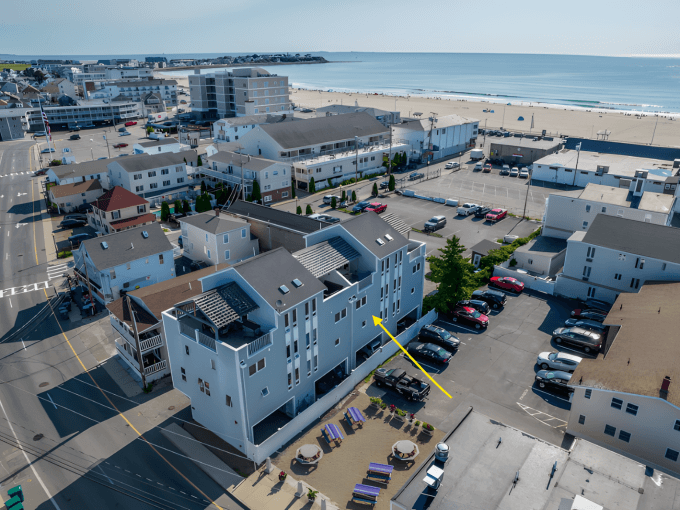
(329, 198)
(479, 166)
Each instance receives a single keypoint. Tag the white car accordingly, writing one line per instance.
(514, 172)
(125, 133)
(524, 173)
(452, 164)
(558, 361)
(467, 209)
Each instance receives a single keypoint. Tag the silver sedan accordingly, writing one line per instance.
(558, 361)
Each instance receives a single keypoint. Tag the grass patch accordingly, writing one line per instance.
(64, 254)
(348, 211)
(433, 234)
(166, 230)
(368, 377)
(15, 67)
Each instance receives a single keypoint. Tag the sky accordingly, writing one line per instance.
(576, 27)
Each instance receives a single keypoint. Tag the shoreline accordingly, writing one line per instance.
(245, 64)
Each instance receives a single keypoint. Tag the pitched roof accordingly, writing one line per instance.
(162, 141)
(396, 223)
(126, 246)
(484, 246)
(368, 227)
(213, 224)
(235, 159)
(276, 217)
(76, 188)
(141, 162)
(265, 118)
(118, 198)
(144, 319)
(631, 236)
(442, 122)
(638, 361)
(290, 135)
(225, 304)
(322, 258)
(131, 222)
(267, 272)
(84, 169)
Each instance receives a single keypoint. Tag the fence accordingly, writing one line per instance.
(536, 283)
(294, 427)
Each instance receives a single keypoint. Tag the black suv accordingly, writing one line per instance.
(482, 212)
(555, 379)
(494, 298)
(439, 336)
(480, 306)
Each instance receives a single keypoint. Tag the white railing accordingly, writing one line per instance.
(259, 344)
(206, 341)
(187, 331)
(366, 282)
(152, 369)
(151, 343)
(345, 152)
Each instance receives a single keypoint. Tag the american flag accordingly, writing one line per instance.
(46, 122)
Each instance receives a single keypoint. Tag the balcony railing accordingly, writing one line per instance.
(151, 343)
(259, 344)
(206, 341)
(345, 152)
(366, 282)
(157, 367)
(187, 331)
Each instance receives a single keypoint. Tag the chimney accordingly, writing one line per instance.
(665, 384)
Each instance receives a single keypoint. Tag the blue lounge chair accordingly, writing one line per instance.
(353, 415)
(381, 472)
(331, 432)
(365, 494)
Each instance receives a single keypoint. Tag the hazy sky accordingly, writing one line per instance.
(587, 27)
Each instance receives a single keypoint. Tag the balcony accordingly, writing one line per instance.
(372, 149)
(156, 367)
(236, 335)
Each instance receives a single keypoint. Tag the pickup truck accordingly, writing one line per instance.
(467, 209)
(397, 379)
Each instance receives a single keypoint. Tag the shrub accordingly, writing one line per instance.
(417, 424)
(165, 211)
(178, 206)
(354, 196)
(308, 210)
(374, 192)
(311, 494)
(400, 412)
(299, 210)
(513, 263)
(256, 195)
(383, 405)
(391, 184)
(186, 207)
(312, 185)
(292, 195)
(376, 400)
(427, 426)
(204, 188)
(334, 203)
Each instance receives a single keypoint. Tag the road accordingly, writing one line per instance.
(68, 433)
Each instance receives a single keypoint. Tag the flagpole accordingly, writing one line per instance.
(48, 136)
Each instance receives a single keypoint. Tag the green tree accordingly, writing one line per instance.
(344, 196)
(256, 196)
(178, 206)
(392, 183)
(203, 203)
(309, 209)
(312, 186)
(149, 130)
(292, 194)
(453, 274)
(186, 207)
(334, 203)
(198, 161)
(165, 211)
(375, 189)
(354, 196)
(249, 198)
(204, 188)
(299, 210)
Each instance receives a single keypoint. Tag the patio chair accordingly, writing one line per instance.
(381, 472)
(331, 432)
(353, 415)
(365, 494)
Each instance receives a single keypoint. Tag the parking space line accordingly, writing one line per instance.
(526, 409)
(552, 395)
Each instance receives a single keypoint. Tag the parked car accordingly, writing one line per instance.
(329, 198)
(487, 168)
(47, 150)
(452, 164)
(469, 315)
(74, 137)
(415, 175)
(120, 130)
(514, 172)
(593, 315)
(38, 134)
(558, 361)
(482, 212)
(361, 206)
(467, 209)
(198, 264)
(554, 379)
(505, 170)
(384, 185)
(430, 352)
(434, 223)
(120, 145)
(477, 304)
(588, 340)
(130, 123)
(72, 223)
(370, 348)
(376, 207)
(596, 327)
(76, 239)
(436, 335)
(402, 383)
(524, 173)
(180, 242)
(84, 208)
(506, 283)
(495, 215)
(39, 172)
(329, 219)
(596, 304)
(126, 133)
(493, 297)
(75, 216)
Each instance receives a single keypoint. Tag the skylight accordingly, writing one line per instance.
(380, 242)
(297, 283)
(105, 245)
(145, 234)
(389, 238)
(284, 289)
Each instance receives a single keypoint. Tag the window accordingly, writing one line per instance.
(582, 419)
(591, 292)
(186, 349)
(243, 233)
(286, 321)
(591, 252)
(622, 256)
(294, 316)
(207, 388)
(586, 271)
(671, 455)
(112, 274)
(617, 403)
(256, 367)
(160, 258)
(152, 173)
(663, 266)
(166, 183)
(337, 342)
(677, 425)
(314, 306)
(288, 351)
(226, 255)
(200, 384)
(617, 276)
(184, 374)
(624, 436)
(634, 283)
(141, 209)
(588, 393)
(585, 224)
(153, 185)
(295, 346)
(290, 380)
(609, 430)
(225, 238)
(284, 194)
(265, 391)
(316, 362)
(165, 171)
(180, 180)
(297, 375)
(341, 315)
(632, 409)
(228, 401)
(314, 338)
(178, 169)
(137, 177)
(140, 188)
(307, 340)
(604, 209)
(587, 207)
(206, 238)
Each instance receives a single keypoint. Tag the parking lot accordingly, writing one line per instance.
(494, 370)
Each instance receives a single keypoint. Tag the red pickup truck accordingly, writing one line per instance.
(130, 123)
(376, 207)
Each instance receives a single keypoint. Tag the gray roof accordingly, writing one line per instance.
(637, 237)
(225, 304)
(142, 83)
(290, 135)
(324, 257)
(276, 217)
(127, 246)
(235, 159)
(484, 246)
(213, 224)
(527, 142)
(396, 223)
(140, 162)
(265, 118)
(267, 272)
(156, 143)
(368, 227)
(544, 244)
(98, 166)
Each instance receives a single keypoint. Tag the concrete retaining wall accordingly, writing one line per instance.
(530, 282)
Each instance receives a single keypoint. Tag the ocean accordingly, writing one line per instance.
(567, 81)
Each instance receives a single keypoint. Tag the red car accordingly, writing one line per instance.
(589, 314)
(130, 123)
(376, 207)
(506, 283)
(496, 214)
(487, 168)
(467, 314)
(120, 145)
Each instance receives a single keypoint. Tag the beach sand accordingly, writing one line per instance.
(624, 127)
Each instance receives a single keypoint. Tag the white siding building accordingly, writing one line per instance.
(161, 146)
(437, 137)
(136, 90)
(160, 175)
(233, 128)
(79, 172)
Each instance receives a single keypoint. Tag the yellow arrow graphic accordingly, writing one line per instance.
(378, 322)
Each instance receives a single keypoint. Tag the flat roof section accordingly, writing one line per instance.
(622, 197)
(618, 164)
(526, 143)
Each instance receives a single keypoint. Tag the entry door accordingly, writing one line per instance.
(476, 259)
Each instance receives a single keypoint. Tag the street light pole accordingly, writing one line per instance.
(356, 163)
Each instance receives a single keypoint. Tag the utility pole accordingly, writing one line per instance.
(527, 196)
(107, 146)
(654, 132)
(433, 119)
(356, 163)
(578, 153)
(389, 159)
(89, 287)
(503, 121)
(139, 350)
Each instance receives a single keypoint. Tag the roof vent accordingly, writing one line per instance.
(105, 245)
(297, 283)
(284, 289)
(389, 238)
(380, 242)
(145, 234)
